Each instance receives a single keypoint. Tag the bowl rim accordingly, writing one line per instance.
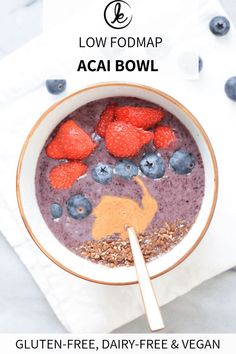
(188, 114)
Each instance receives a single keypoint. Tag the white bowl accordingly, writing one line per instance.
(35, 223)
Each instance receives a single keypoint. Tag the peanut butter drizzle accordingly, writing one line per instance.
(113, 213)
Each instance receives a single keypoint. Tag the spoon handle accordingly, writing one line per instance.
(149, 298)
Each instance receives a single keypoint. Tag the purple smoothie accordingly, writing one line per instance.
(179, 196)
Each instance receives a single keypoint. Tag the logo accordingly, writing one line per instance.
(117, 14)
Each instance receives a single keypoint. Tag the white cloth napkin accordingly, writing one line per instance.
(86, 307)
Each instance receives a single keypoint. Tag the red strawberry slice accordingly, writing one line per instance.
(141, 117)
(64, 176)
(145, 136)
(70, 142)
(163, 137)
(107, 116)
(125, 140)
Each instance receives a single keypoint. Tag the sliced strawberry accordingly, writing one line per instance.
(145, 136)
(64, 176)
(107, 116)
(163, 137)
(125, 140)
(141, 117)
(70, 142)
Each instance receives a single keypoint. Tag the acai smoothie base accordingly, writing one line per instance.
(163, 208)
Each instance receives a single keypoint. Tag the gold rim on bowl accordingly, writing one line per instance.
(189, 115)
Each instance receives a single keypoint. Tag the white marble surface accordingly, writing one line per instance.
(20, 21)
(199, 311)
(22, 305)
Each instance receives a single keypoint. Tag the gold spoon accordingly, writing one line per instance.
(151, 306)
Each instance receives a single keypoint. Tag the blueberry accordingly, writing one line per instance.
(230, 88)
(56, 87)
(219, 25)
(182, 162)
(152, 166)
(102, 173)
(126, 168)
(200, 64)
(78, 207)
(56, 210)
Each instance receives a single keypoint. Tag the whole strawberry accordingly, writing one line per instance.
(125, 140)
(71, 142)
(140, 117)
(107, 116)
(64, 176)
(163, 137)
